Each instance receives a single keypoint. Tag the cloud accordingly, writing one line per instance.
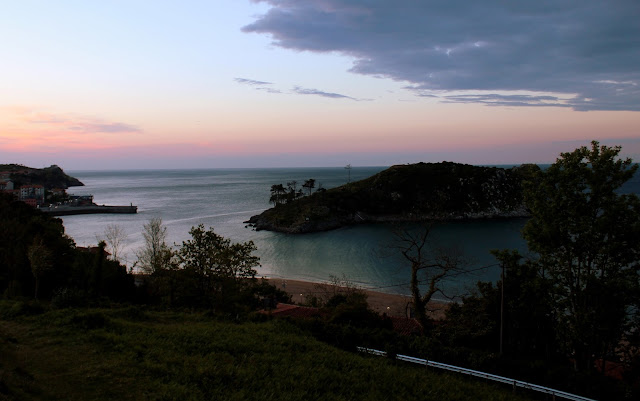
(304, 91)
(93, 127)
(494, 99)
(258, 85)
(251, 82)
(83, 124)
(265, 86)
(36, 128)
(584, 52)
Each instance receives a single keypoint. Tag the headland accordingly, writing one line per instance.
(402, 193)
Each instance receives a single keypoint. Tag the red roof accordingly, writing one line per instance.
(406, 326)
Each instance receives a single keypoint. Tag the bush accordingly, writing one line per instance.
(90, 320)
(68, 298)
(13, 309)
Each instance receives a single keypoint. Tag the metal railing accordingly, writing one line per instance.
(488, 376)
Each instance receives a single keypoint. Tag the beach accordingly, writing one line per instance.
(391, 304)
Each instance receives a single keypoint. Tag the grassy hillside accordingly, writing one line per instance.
(131, 354)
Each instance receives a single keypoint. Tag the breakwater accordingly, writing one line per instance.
(65, 210)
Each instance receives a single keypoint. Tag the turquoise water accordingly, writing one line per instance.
(224, 199)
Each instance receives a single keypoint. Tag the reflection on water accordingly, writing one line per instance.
(368, 254)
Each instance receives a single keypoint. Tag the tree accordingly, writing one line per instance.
(292, 192)
(278, 193)
(40, 260)
(115, 236)
(427, 266)
(526, 316)
(587, 236)
(309, 184)
(219, 264)
(155, 255)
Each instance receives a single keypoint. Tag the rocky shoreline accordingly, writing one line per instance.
(260, 222)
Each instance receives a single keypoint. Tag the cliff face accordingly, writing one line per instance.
(417, 192)
(49, 177)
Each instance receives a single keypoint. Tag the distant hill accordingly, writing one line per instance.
(50, 177)
(414, 192)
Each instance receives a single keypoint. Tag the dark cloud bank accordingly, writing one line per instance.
(581, 54)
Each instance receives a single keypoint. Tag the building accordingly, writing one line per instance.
(81, 200)
(6, 185)
(31, 194)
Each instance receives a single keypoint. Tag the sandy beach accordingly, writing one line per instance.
(391, 304)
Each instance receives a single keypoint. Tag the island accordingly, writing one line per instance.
(405, 193)
(45, 189)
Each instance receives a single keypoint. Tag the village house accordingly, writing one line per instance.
(32, 194)
(6, 185)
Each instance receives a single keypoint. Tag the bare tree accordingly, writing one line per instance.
(115, 237)
(155, 254)
(429, 267)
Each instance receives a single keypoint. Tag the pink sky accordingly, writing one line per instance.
(235, 85)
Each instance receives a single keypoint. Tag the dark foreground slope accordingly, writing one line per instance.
(415, 192)
(132, 354)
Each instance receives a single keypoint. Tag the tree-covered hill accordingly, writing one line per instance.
(414, 192)
(50, 177)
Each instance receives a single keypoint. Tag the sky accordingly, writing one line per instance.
(132, 84)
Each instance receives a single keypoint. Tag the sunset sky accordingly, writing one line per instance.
(278, 83)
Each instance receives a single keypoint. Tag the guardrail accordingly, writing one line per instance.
(488, 376)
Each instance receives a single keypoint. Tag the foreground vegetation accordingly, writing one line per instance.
(133, 353)
(568, 318)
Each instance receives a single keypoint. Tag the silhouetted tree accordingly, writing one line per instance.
(309, 185)
(587, 235)
(219, 265)
(40, 260)
(278, 193)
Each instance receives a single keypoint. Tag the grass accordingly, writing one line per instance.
(134, 354)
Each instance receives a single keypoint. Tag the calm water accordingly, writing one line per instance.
(224, 199)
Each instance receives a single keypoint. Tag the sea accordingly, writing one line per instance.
(365, 255)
